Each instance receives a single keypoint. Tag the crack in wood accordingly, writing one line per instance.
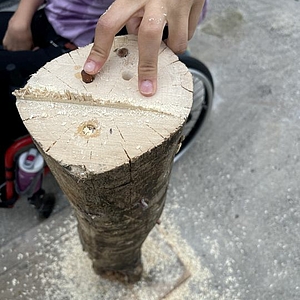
(156, 131)
(49, 148)
(82, 99)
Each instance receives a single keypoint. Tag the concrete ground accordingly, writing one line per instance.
(232, 211)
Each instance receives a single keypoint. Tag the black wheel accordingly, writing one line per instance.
(44, 203)
(202, 101)
(47, 206)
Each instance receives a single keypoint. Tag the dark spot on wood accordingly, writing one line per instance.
(87, 78)
(122, 52)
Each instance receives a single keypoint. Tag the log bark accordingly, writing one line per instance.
(110, 149)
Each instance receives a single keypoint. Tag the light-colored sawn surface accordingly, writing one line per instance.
(102, 124)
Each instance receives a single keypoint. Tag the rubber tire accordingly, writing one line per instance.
(198, 68)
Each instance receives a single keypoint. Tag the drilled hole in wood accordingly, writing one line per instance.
(127, 75)
(122, 52)
(89, 129)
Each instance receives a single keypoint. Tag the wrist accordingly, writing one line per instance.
(18, 24)
(20, 18)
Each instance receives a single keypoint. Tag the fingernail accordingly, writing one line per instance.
(90, 67)
(146, 87)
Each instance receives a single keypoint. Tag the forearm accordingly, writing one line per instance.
(18, 35)
(26, 10)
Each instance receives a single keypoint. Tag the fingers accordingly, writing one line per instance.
(132, 26)
(109, 24)
(178, 29)
(147, 19)
(182, 23)
(149, 41)
(194, 18)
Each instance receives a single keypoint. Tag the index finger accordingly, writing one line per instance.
(109, 24)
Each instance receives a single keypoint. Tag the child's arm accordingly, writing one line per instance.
(18, 34)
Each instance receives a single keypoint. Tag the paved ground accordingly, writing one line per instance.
(232, 213)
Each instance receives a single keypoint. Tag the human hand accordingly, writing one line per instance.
(18, 36)
(147, 19)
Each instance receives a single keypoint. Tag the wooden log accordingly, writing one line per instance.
(110, 149)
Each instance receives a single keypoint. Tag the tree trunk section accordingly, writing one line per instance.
(110, 149)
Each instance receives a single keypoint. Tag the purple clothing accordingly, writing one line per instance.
(76, 20)
(204, 11)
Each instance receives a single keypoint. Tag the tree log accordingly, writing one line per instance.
(110, 149)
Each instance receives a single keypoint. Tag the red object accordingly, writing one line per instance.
(9, 162)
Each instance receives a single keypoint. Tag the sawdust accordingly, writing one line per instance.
(75, 276)
(59, 269)
(73, 284)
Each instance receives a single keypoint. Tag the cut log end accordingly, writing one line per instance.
(108, 114)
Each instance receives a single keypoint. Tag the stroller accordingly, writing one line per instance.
(24, 166)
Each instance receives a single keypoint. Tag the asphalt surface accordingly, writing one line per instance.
(234, 195)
